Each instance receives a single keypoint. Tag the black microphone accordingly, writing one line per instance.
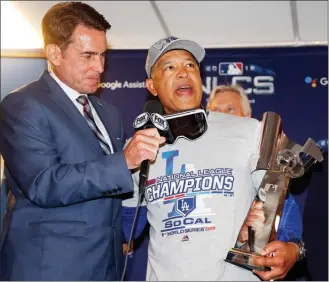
(151, 118)
(153, 106)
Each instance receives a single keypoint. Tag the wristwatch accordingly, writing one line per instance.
(301, 248)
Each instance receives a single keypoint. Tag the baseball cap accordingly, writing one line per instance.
(171, 43)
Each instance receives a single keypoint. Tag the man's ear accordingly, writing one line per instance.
(53, 54)
(150, 86)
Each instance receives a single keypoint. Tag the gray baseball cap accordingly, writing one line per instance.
(171, 43)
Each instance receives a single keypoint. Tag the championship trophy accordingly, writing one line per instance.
(280, 159)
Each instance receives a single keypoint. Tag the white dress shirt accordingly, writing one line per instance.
(73, 95)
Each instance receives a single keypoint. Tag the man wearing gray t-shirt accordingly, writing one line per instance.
(198, 194)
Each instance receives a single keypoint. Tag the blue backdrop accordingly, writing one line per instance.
(276, 79)
(290, 81)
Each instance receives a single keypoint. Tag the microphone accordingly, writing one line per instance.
(153, 106)
(151, 118)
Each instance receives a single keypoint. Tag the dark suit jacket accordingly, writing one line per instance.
(315, 220)
(63, 218)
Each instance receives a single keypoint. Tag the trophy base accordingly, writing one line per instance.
(243, 259)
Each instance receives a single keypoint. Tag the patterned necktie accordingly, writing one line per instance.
(83, 100)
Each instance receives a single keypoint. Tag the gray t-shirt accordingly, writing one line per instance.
(198, 195)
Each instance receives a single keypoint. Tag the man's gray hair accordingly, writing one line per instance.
(232, 88)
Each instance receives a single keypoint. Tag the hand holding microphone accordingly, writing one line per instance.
(144, 145)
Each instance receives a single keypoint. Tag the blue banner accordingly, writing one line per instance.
(290, 81)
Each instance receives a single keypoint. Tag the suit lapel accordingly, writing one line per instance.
(57, 94)
(104, 116)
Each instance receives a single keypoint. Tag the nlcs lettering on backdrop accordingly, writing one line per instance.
(262, 85)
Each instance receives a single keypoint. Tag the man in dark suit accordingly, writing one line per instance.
(65, 167)
(315, 218)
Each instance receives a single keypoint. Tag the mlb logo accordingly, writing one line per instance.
(230, 68)
(185, 238)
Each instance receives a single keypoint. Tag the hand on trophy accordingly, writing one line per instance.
(279, 160)
(279, 256)
(254, 219)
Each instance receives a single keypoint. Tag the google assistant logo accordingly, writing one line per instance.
(310, 80)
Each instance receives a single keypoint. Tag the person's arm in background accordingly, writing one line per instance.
(128, 215)
(129, 208)
(291, 225)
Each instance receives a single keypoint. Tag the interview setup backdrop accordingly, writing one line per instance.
(290, 81)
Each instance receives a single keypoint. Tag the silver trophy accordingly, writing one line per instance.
(280, 159)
